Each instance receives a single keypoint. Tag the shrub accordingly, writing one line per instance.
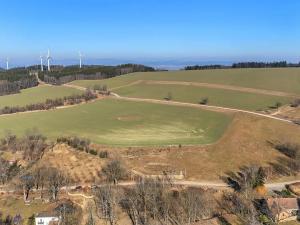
(169, 97)
(203, 101)
(295, 103)
(93, 152)
(103, 154)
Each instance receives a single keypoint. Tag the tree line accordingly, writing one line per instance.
(51, 103)
(62, 75)
(280, 64)
(13, 80)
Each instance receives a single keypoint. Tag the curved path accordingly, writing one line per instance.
(208, 107)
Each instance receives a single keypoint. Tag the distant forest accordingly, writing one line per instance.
(280, 64)
(60, 75)
(14, 80)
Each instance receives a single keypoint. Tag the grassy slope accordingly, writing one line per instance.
(219, 97)
(36, 95)
(246, 142)
(281, 79)
(116, 122)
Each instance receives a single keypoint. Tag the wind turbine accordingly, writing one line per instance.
(80, 60)
(7, 65)
(48, 60)
(42, 65)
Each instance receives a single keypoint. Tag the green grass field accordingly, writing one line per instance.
(36, 95)
(124, 123)
(192, 94)
(277, 79)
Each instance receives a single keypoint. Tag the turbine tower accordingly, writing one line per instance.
(48, 60)
(7, 65)
(42, 65)
(80, 60)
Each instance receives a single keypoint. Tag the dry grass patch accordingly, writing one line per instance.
(245, 142)
(80, 167)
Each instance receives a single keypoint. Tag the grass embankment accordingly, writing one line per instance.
(192, 94)
(124, 123)
(36, 95)
(276, 79)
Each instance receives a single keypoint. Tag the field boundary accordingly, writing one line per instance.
(207, 107)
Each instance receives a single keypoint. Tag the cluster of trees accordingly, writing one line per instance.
(51, 103)
(12, 81)
(152, 201)
(8, 170)
(102, 89)
(260, 64)
(33, 144)
(204, 67)
(69, 213)
(7, 87)
(279, 64)
(63, 75)
(156, 201)
(41, 179)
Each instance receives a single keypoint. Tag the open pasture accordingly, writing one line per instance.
(36, 95)
(125, 123)
(275, 79)
(193, 94)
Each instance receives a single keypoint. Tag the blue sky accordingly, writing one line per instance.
(158, 30)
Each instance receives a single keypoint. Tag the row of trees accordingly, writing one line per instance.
(279, 64)
(51, 103)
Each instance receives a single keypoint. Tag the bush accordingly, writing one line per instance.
(93, 152)
(81, 144)
(295, 103)
(169, 97)
(203, 101)
(103, 154)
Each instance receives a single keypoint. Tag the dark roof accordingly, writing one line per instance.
(46, 214)
(283, 204)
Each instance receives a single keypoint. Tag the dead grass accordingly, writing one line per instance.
(80, 167)
(11, 205)
(246, 142)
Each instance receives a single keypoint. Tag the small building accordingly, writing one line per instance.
(46, 218)
(284, 209)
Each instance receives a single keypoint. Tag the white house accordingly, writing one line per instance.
(47, 219)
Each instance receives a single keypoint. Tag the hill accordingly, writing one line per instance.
(274, 79)
(124, 123)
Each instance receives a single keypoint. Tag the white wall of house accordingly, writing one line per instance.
(45, 220)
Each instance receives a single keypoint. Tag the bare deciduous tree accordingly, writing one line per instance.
(106, 203)
(114, 171)
(56, 180)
